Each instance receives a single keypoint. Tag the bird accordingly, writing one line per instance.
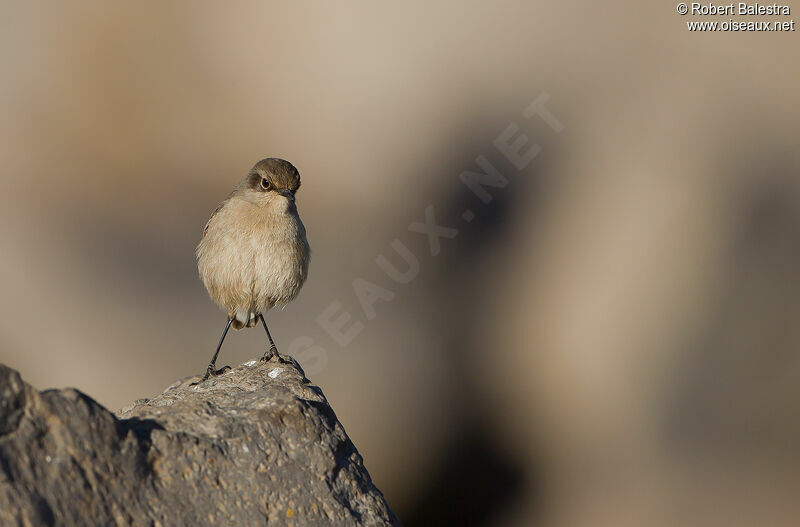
(253, 254)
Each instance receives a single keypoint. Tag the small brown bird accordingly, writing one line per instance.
(254, 254)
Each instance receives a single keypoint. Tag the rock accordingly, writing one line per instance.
(258, 445)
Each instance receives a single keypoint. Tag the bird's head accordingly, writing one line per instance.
(271, 182)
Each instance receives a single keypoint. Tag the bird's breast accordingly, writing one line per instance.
(281, 255)
(254, 257)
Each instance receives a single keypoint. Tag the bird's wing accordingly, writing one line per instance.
(219, 207)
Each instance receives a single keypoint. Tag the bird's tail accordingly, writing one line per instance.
(242, 319)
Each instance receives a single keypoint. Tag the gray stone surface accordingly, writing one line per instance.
(257, 446)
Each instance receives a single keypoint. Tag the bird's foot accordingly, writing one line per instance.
(272, 353)
(211, 372)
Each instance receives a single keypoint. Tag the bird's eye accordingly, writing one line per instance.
(265, 184)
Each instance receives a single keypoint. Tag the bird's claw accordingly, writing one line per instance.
(211, 372)
(273, 353)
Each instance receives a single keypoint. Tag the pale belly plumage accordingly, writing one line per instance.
(253, 258)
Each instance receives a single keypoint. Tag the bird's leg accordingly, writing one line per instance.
(273, 349)
(211, 371)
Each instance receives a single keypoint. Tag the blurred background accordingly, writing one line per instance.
(611, 341)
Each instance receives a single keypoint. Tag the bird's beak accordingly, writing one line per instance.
(288, 194)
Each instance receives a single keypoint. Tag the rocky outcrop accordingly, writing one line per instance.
(257, 445)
